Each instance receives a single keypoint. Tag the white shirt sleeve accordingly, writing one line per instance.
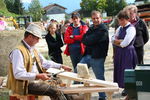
(48, 63)
(19, 70)
(130, 34)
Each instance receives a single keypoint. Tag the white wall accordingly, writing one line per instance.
(58, 17)
(139, 2)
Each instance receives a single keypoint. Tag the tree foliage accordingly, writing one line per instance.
(14, 6)
(89, 5)
(114, 6)
(4, 11)
(9, 5)
(35, 9)
(121, 4)
(111, 8)
(146, 1)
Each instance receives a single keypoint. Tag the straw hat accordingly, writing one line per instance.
(34, 29)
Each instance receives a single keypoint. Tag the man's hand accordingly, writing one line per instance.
(67, 68)
(43, 76)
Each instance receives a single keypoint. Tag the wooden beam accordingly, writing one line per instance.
(89, 89)
(87, 96)
(74, 76)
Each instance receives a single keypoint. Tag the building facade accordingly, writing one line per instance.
(54, 11)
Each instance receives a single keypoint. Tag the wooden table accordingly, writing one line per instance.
(87, 90)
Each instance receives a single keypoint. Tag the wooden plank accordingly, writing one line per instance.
(53, 70)
(146, 19)
(109, 95)
(83, 71)
(74, 76)
(89, 89)
(143, 10)
(144, 14)
(87, 96)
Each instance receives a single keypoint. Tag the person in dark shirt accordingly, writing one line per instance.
(96, 41)
(142, 35)
(54, 43)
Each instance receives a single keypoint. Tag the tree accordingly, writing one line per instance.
(36, 10)
(101, 5)
(14, 6)
(18, 7)
(114, 6)
(9, 5)
(121, 4)
(89, 5)
(146, 1)
(111, 8)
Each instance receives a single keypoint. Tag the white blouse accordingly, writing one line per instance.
(130, 34)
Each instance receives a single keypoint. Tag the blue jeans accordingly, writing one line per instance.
(98, 68)
(75, 56)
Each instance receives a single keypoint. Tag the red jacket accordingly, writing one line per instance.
(83, 28)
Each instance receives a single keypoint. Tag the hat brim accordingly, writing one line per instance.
(39, 36)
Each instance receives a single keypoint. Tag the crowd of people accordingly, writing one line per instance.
(86, 44)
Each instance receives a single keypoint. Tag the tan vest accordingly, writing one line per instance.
(20, 86)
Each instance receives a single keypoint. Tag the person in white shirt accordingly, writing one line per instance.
(125, 55)
(27, 66)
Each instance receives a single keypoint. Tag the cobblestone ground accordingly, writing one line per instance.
(42, 47)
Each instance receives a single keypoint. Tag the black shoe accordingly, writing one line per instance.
(124, 93)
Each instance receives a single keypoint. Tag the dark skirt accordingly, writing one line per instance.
(124, 58)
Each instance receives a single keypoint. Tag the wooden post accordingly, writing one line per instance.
(87, 96)
(109, 95)
(83, 72)
(68, 83)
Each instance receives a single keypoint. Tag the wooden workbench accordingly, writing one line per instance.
(81, 89)
(73, 76)
(89, 85)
